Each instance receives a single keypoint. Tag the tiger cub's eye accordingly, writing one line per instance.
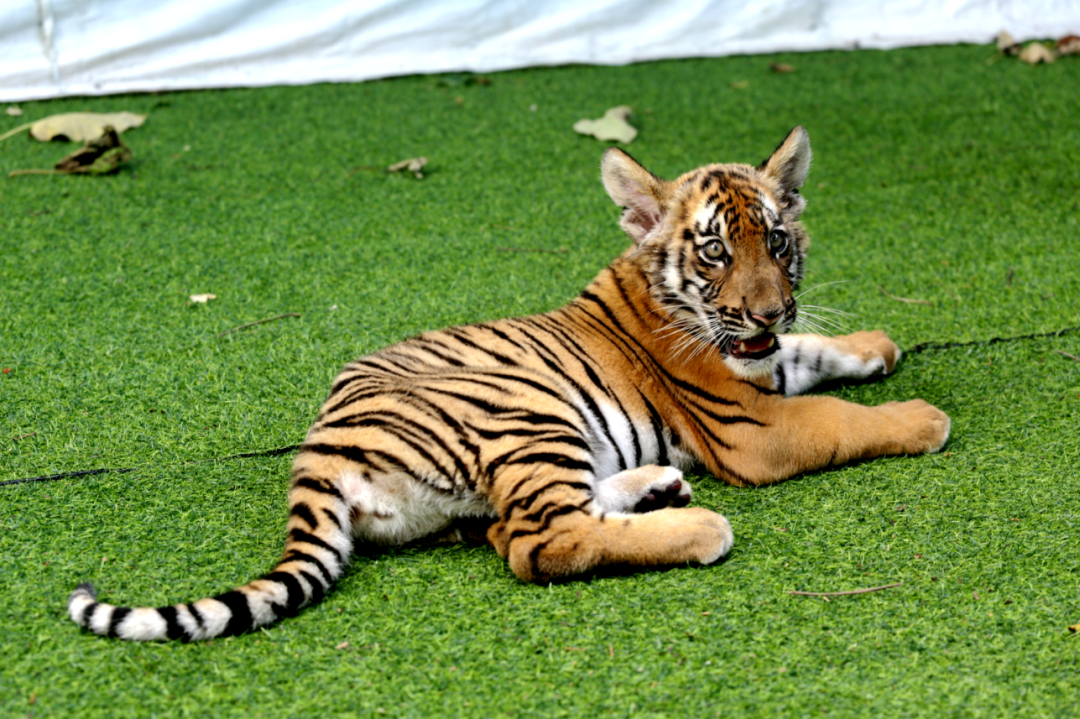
(713, 250)
(778, 241)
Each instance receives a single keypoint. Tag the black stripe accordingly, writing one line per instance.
(425, 346)
(381, 389)
(173, 630)
(759, 388)
(332, 517)
(458, 334)
(349, 452)
(88, 614)
(397, 424)
(299, 535)
(658, 431)
(118, 615)
(303, 511)
(536, 435)
(725, 419)
(241, 620)
(552, 458)
(353, 454)
(318, 591)
(317, 486)
(525, 502)
(780, 378)
(298, 556)
(548, 517)
(534, 556)
(196, 615)
(293, 588)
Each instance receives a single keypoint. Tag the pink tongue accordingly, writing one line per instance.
(758, 343)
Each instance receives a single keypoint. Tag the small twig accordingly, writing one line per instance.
(1074, 358)
(258, 322)
(905, 299)
(28, 436)
(1008, 277)
(844, 594)
(529, 249)
(15, 131)
(16, 173)
(357, 169)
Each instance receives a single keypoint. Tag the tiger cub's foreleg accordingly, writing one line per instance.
(808, 360)
(551, 526)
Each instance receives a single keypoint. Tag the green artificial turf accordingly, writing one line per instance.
(937, 176)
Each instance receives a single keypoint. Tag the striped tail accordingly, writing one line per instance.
(316, 553)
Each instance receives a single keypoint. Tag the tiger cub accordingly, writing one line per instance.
(567, 431)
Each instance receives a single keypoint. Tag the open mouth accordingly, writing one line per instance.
(759, 346)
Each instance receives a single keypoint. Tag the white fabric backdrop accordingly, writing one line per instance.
(51, 48)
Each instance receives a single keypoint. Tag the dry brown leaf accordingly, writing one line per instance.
(203, 299)
(413, 165)
(78, 126)
(100, 156)
(343, 645)
(781, 67)
(1068, 45)
(612, 126)
(1035, 53)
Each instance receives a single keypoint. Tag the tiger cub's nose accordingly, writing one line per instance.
(766, 318)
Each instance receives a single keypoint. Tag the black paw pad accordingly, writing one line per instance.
(668, 496)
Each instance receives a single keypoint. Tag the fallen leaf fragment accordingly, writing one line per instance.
(343, 645)
(612, 126)
(781, 67)
(14, 111)
(203, 299)
(740, 84)
(413, 165)
(1035, 53)
(99, 156)
(78, 126)
(1068, 45)
(1006, 44)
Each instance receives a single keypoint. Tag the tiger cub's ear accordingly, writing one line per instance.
(642, 194)
(789, 165)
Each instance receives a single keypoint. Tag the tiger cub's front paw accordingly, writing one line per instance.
(874, 349)
(920, 426)
(643, 489)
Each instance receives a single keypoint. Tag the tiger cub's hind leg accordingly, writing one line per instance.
(809, 360)
(643, 489)
(552, 527)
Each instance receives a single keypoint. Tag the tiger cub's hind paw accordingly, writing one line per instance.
(643, 489)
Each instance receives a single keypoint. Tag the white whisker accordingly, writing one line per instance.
(818, 287)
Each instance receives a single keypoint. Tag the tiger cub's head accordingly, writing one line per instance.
(722, 246)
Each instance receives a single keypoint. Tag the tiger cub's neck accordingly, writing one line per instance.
(637, 330)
